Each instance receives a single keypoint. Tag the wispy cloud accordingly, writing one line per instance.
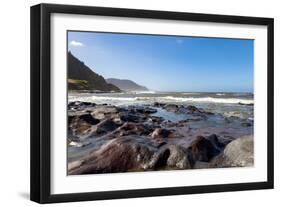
(76, 44)
(179, 41)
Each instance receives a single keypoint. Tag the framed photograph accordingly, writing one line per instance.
(133, 103)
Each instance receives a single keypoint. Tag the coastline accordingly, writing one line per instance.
(146, 135)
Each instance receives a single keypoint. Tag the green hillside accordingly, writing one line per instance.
(81, 77)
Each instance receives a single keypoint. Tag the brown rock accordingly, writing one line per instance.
(203, 149)
(171, 156)
(129, 128)
(118, 155)
(104, 127)
(160, 133)
(238, 153)
(81, 126)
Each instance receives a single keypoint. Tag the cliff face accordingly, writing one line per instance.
(126, 85)
(81, 77)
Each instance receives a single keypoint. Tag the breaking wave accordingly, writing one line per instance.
(210, 100)
(163, 99)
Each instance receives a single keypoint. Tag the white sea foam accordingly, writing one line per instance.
(210, 100)
(161, 99)
(101, 98)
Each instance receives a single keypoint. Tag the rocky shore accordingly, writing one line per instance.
(109, 139)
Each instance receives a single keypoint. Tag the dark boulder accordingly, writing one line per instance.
(171, 157)
(105, 109)
(129, 117)
(160, 159)
(161, 133)
(105, 126)
(149, 110)
(89, 119)
(203, 149)
(157, 104)
(213, 138)
(171, 107)
(80, 105)
(179, 157)
(161, 144)
(142, 109)
(80, 126)
(118, 155)
(130, 128)
(193, 109)
(238, 153)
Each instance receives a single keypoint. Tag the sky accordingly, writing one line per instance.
(168, 63)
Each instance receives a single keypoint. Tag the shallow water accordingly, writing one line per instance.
(223, 103)
(171, 116)
(228, 115)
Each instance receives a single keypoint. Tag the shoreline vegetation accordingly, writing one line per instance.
(81, 77)
(113, 127)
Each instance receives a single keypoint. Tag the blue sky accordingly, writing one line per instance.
(168, 63)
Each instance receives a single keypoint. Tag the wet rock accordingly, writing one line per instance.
(238, 153)
(130, 128)
(218, 145)
(118, 155)
(203, 149)
(117, 120)
(98, 115)
(157, 104)
(80, 105)
(132, 139)
(142, 109)
(193, 109)
(171, 107)
(89, 119)
(178, 157)
(181, 109)
(172, 157)
(169, 124)
(104, 126)
(149, 110)
(128, 117)
(161, 144)
(80, 126)
(160, 159)
(156, 119)
(105, 109)
(161, 133)
(192, 119)
(76, 113)
(226, 139)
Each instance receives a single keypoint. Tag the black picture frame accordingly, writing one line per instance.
(41, 97)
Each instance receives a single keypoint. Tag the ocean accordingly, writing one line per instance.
(228, 104)
(232, 114)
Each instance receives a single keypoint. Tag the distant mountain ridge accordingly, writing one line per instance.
(126, 85)
(81, 77)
